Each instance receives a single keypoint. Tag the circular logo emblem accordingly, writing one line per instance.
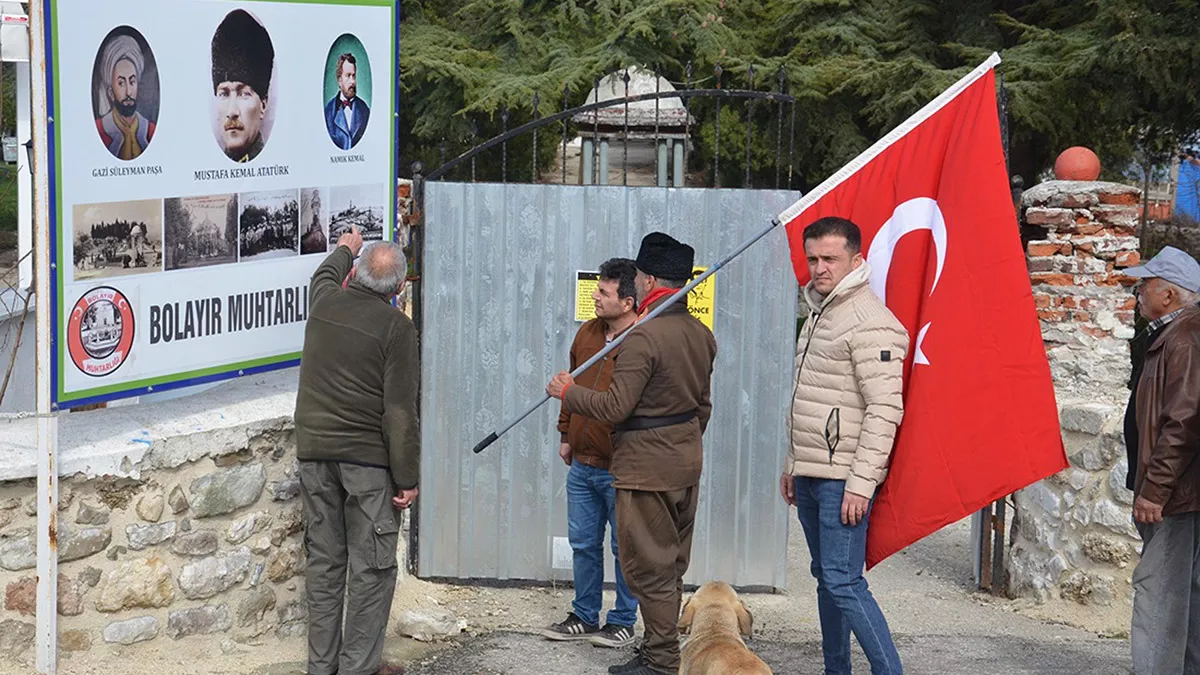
(100, 333)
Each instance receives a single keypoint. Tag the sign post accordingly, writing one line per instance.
(47, 421)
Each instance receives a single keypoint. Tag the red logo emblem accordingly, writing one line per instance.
(100, 332)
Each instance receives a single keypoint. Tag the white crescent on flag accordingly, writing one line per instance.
(913, 215)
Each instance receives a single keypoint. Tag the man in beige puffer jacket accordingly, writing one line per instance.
(846, 407)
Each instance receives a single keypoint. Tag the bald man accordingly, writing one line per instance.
(358, 443)
(125, 131)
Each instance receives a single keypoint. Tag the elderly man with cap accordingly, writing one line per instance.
(1165, 639)
(242, 61)
(125, 131)
(658, 402)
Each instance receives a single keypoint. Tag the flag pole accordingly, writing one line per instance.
(681, 293)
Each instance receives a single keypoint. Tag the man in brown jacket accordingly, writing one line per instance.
(1165, 639)
(586, 447)
(659, 405)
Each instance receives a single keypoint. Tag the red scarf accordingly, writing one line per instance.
(653, 297)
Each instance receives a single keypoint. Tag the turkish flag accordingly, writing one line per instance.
(940, 233)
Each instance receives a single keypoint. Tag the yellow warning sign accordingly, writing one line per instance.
(702, 301)
(585, 285)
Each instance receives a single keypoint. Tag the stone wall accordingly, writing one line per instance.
(1073, 535)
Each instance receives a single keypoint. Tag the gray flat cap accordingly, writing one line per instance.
(1173, 265)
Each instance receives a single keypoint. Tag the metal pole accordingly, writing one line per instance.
(681, 293)
(47, 423)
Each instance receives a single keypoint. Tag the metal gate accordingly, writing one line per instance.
(498, 298)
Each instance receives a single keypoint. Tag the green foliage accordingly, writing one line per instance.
(1120, 76)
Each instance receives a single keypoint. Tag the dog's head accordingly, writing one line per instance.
(722, 597)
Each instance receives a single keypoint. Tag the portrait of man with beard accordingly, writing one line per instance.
(126, 93)
(243, 60)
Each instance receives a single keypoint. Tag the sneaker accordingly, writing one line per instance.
(571, 628)
(635, 666)
(614, 636)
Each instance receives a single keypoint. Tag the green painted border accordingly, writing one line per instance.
(62, 396)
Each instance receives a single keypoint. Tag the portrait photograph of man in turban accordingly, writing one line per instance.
(125, 102)
(243, 61)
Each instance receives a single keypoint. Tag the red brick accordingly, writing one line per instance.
(1082, 316)
(1051, 314)
(1082, 200)
(1054, 279)
(1041, 249)
(1042, 301)
(1121, 198)
(1126, 318)
(1124, 280)
(1127, 303)
(1068, 301)
(1094, 331)
(1089, 229)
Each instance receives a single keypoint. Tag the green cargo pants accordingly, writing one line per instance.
(351, 527)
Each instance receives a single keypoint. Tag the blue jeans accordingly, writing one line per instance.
(844, 602)
(591, 503)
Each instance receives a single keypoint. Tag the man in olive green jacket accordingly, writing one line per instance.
(358, 443)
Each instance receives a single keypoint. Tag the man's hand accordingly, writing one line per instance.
(854, 508)
(559, 384)
(351, 240)
(564, 451)
(406, 497)
(1147, 512)
(787, 489)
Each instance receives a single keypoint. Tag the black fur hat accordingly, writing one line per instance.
(663, 257)
(242, 52)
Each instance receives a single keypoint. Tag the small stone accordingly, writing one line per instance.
(20, 596)
(75, 640)
(136, 583)
(254, 606)
(228, 646)
(92, 512)
(226, 490)
(70, 596)
(291, 630)
(1116, 483)
(31, 506)
(9, 504)
(116, 552)
(1087, 589)
(145, 536)
(150, 507)
(286, 489)
(83, 543)
(198, 543)
(1088, 418)
(243, 528)
(209, 576)
(256, 577)
(65, 499)
(185, 525)
(18, 554)
(1115, 518)
(1041, 494)
(199, 621)
(261, 545)
(178, 500)
(430, 625)
(16, 637)
(6, 519)
(286, 563)
(134, 630)
(293, 612)
(289, 522)
(90, 576)
(1106, 551)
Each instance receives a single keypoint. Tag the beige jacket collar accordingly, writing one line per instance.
(852, 282)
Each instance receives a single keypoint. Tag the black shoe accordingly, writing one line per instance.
(635, 666)
(613, 636)
(571, 628)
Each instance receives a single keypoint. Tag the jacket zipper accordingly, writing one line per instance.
(583, 429)
(815, 318)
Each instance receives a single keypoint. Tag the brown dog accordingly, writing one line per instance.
(715, 619)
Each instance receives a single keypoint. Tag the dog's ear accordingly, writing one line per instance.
(686, 617)
(745, 619)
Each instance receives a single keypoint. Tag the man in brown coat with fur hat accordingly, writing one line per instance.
(659, 405)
